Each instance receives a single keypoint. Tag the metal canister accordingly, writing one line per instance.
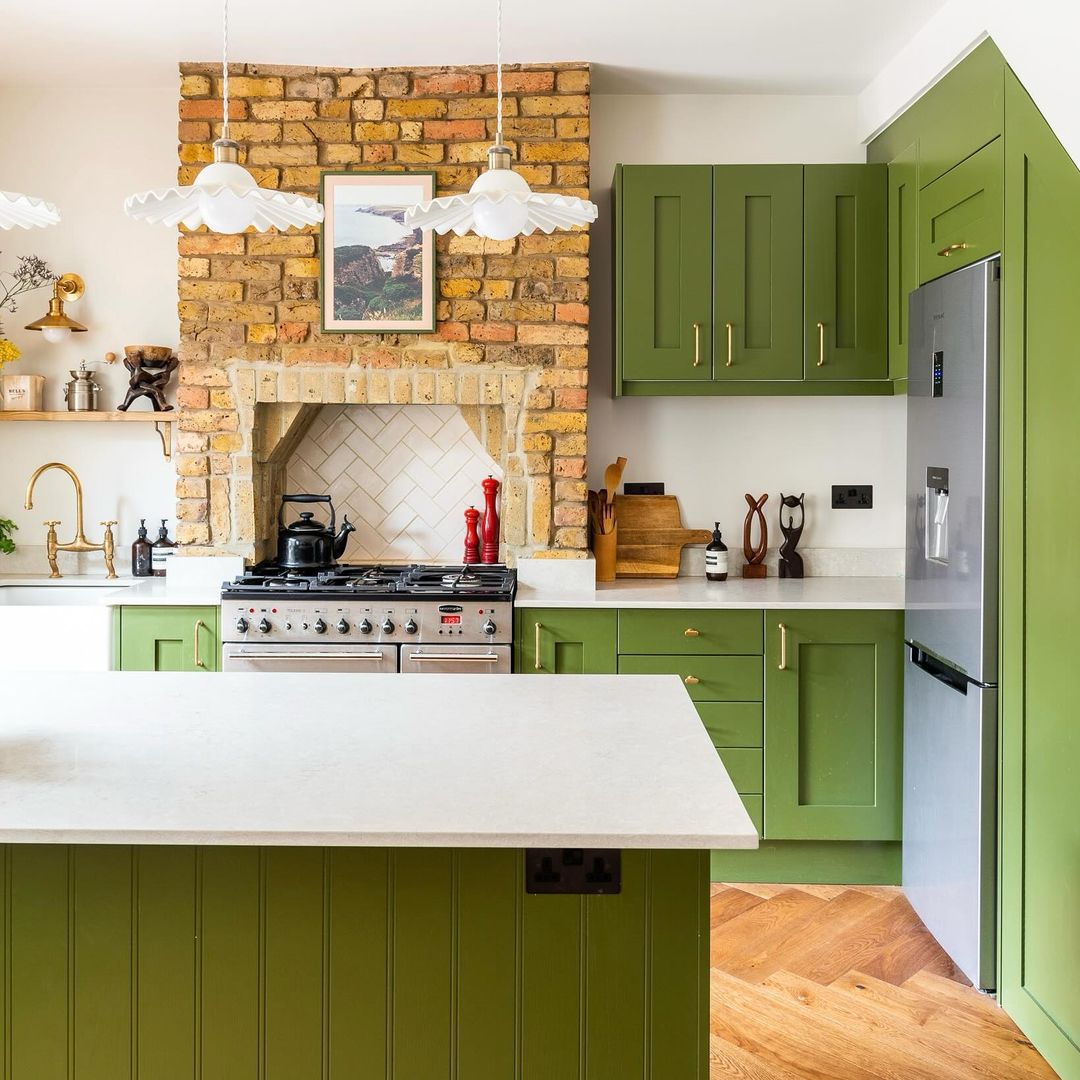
(81, 393)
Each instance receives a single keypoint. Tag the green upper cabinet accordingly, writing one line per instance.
(169, 639)
(903, 266)
(757, 261)
(664, 284)
(961, 214)
(833, 724)
(844, 330)
(567, 641)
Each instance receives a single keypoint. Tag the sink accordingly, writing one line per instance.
(63, 625)
(59, 594)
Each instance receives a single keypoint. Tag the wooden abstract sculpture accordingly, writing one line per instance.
(755, 556)
(151, 367)
(791, 564)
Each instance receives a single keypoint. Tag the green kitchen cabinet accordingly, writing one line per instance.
(706, 678)
(664, 272)
(757, 273)
(833, 725)
(903, 259)
(566, 641)
(169, 639)
(1039, 736)
(702, 631)
(960, 214)
(845, 318)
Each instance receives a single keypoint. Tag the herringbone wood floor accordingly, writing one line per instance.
(834, 982)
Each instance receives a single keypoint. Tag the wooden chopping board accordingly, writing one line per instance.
(651, 536)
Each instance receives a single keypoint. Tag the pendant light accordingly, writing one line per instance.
(225, 197)
(26, 212)
(500, 204)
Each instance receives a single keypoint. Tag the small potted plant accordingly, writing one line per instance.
(7, 545)
(30, 273)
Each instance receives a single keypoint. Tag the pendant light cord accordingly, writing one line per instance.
(498, 74)
(225, 69)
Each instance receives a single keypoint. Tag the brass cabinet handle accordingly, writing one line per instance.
(782, 666)
(691, 680)
(199, 625)
(691, 632)
(820, 344)
(697, 344)
(730, 353)
(945, 252)
(536, 649)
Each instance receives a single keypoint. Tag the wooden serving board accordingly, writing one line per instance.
(651, 536)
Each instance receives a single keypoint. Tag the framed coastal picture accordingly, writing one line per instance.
(378, 275)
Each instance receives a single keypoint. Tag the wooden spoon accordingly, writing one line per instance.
(613, 475)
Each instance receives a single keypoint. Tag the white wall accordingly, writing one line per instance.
(1037, 37)
(85, 151)
(709, 451)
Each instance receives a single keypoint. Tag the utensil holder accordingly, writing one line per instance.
(604, 550)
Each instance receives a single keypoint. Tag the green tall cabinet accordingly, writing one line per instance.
(168, 639)
(834, 723)
(566, 641)
(845, 236)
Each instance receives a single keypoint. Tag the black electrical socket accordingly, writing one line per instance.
(853, 496)
(643, 489)
(573, 870)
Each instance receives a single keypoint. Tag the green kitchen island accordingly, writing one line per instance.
(293, 876)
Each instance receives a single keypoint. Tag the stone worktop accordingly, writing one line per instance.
(484, 761)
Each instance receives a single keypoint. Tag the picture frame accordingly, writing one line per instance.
(376, 277)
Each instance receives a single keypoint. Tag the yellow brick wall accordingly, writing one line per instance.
(512, 316)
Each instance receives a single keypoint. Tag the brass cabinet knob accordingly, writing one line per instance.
(691, 632)
(945, 252)
(691, 680)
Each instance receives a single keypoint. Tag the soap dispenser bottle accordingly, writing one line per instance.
(163, 550)
(142, 554)
(716, 557)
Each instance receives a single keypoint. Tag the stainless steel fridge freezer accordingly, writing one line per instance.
(950, 623)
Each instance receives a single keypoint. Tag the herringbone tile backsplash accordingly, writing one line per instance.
(403, 474)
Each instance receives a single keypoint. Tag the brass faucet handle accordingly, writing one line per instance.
(107, 523)
(52, 524)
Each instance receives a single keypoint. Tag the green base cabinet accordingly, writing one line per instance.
(167, 963)
(833, 725)
(566, 641)
(168, 639)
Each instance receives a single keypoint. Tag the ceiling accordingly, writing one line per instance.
(638, 46)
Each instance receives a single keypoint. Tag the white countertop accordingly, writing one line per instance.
(362, 760)
(840, 593)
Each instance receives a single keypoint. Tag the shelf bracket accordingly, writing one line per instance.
(164, 429)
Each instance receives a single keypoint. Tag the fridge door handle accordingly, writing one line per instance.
(952, 678)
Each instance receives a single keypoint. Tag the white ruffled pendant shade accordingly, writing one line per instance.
(224, 198)
(26, 212)
(500, 205)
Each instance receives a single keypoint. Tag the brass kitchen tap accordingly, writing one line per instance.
(80, 543)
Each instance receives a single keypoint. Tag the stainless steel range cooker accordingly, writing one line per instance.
(369, 618)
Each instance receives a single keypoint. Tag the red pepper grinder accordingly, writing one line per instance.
(472, 538)
(489, 527)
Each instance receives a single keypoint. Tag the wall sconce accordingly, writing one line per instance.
(55, 325)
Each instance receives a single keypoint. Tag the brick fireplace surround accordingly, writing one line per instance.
(511, 343)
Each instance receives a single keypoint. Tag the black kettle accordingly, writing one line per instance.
(308, 544)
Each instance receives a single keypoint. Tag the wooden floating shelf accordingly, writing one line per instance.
(163, 422)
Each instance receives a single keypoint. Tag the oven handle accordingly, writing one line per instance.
(467, 658)
(305, 656)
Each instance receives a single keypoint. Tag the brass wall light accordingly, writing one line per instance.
(55, 325)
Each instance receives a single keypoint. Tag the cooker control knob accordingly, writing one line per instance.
(342, 626)
(411, 627)
(364, 627)
(241, 625)
(263, 627)
(320, 627)
(488, 627)
(388, 625)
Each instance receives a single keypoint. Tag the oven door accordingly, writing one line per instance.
(456, 659)
(259, 656)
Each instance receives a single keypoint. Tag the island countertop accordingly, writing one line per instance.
(362, 760)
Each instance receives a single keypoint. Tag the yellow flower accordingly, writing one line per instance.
(8, 352)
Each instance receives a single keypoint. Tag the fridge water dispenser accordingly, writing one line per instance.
(937, 515)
